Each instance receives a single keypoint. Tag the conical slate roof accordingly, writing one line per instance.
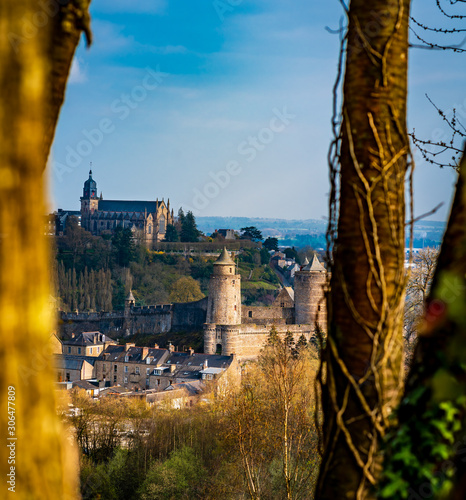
(315, 266)
(225, 258)
(306, 262)
(130, 296)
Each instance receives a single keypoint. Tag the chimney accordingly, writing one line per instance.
(171, 347)
(156, 346)
(172, 368)
(191, 351)
(95, 337)
(72, 335)
(206, 365)
(145, 352)
(129, 345)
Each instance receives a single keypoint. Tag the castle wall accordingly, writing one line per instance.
(267, 315)
(147, 320)
(189, 315)
(246, 341)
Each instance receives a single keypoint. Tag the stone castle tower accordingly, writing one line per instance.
(309, 294)
(223, 306)
(224, 303)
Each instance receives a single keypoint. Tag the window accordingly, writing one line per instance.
(79, 350)
(231, 270)
(147, 371)
(114, 379)
(126, 380)
(126, 369)
(318, 308)
(158, 381)
(250, 314)
(149, 229)
(282, 304)
(147, 382)
(162, 224)
(233, 282)
(137, 370)
(68, 376)
(69, 350)
(115, 368)
(90, 350)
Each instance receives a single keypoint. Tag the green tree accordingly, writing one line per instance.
(124, 246)
(251, 233)
(189, 231)
(185, 289)
(180, 476)
(171, 234)
(271, 243)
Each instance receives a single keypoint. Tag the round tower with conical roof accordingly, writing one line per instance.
(309, 294)
(224, 302)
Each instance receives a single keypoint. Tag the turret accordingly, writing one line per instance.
(224, 302)
(309, 294)
(129, 302)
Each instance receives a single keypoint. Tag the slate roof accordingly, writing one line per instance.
(87, 339)
(225, 258)
(315, 266)
(290, 292)
(192, 388)
(128, 206)
(134, 355)
(85, 384)
(67, 362)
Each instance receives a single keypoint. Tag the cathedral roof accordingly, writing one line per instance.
(129, 206)
(306, 262)
(225, 258)
(315, 266)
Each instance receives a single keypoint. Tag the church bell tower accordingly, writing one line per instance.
(89, 202)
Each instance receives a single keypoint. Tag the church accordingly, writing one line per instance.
(148, 219)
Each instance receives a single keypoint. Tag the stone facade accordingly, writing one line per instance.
(147, 219)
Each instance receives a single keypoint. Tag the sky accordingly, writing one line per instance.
(224, 107)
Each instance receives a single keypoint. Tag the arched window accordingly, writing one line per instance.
(149, 229)
(162, 224)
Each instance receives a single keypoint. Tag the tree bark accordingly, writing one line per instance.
(433, 411)
(36, 47)
(364, 346)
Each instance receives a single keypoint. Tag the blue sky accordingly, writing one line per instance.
(224, 107)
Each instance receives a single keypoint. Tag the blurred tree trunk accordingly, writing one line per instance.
(364, 347)
(37, 43)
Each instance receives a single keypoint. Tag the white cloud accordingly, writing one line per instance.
(77, 74)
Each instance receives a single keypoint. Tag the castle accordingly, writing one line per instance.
(148, 219)
(232, 328)
(229, 327)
